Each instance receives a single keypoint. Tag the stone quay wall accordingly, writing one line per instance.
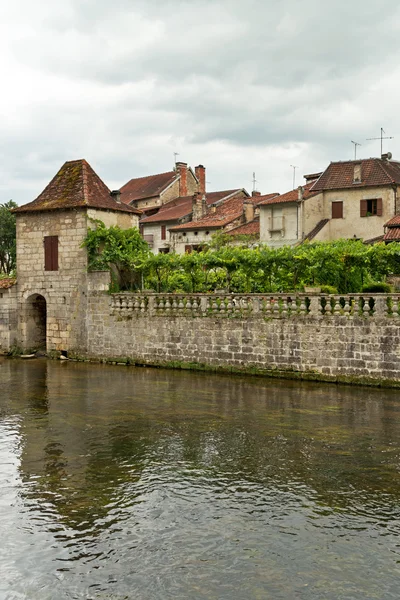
(8, 318)
(353, 338)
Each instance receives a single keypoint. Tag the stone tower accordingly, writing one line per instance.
(52, 266)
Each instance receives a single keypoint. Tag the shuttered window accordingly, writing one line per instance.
(337, 210)
(51, 253)
(371, 207)
(163, 232)
(379, 208)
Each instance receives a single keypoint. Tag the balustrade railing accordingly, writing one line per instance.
(278, 306)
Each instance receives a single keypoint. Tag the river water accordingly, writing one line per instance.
(121, 482)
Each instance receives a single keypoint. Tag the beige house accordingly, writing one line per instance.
(53, 279)
(350, 199)
(150, 193)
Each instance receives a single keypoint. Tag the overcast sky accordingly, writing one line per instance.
(239, 86)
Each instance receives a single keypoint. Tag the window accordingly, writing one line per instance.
(188, 249)
(163, 250)
(51, 253)
(371, 207)
(337, 210)
(357, 173)
(163, 232)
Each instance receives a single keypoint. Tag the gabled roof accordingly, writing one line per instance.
(393, 222)
(147, 187)
(261, 199)
(374, 172)
(224, 214)
(181, 207)
(76, 185)
(393, 229)
(250, 228)
(292, 196)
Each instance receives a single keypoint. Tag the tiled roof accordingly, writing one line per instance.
(251, 228)
(316, 229)
(374, 240)
(374, 172)
(393, 233)
(224, 213)
(75, 185)
(292, 196)
(180, 207)
(7, 283)
(261, 199)
(394, 222)
(146, 187)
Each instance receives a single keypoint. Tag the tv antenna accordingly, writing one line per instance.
(355, 148)
(294, 167)
(175, 155)
(254, 182)
(381, 137)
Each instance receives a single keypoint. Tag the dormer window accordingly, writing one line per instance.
(357, 173)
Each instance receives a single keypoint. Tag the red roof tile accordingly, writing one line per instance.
(7, 283)
(146, 187)
(393, 233)
(181, 207)
(225, 213)
(261, 199)
(292, 196)
(76, 185)
(394, 222)
(374, 172)
(251, 228)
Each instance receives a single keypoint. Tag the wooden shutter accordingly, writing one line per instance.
(337, 210)
(363, 208)
(51, 253)
(379, 208)
(188, 249)
(163, 232)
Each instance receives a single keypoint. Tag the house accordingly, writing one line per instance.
(285, 218)
(53, 279)
(251, 229)
(151, 192)
(155, 228)
(350, 199)
(224, 215)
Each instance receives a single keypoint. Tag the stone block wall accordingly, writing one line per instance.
(303, 336)
(8, 318)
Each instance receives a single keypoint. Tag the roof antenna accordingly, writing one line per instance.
(355, 148)
(254, 182)
(175, 155)
(381, 137)
(294, 167)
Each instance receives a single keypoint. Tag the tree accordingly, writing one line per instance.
(7, 238)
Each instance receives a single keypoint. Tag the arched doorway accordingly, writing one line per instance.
(35, 322)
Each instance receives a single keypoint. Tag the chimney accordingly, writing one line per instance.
(300, 193)
(199, 206)
(116, 195)
(254, 193)
(181, 169)
(201, 176)
(248, 210)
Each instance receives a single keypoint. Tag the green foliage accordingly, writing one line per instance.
(7, 238)
(342, 266)
(377, 288)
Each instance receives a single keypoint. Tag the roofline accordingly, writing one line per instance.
(20, 209)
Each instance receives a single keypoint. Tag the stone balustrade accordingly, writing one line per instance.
(278, 306)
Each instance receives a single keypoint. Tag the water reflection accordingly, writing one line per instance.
(182, 485)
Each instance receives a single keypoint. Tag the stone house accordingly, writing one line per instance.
(288, 219)
(53, 280)
(155, 228)
(224, 215)
(150, 193)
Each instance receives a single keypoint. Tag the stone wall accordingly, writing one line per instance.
(8, 318)
(321, 337)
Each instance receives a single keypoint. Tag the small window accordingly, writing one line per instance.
(337, 210)
(371, 207)
(51, 253)
(196, 233)
(357, 173)
(163, 232)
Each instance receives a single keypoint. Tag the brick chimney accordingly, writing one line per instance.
(181, 168)
(248, 210)
(199, 206)
(201, 176)
(300, 193)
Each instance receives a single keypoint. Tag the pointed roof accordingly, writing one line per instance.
(374, 172)
(146, 187)
(76, 185)
(224, 213)
(292, 196)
